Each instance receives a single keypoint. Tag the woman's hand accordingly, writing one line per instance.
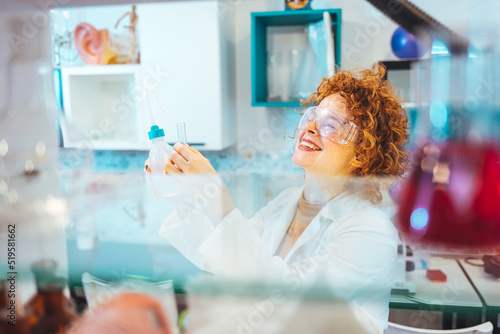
(187, 160)
(172, 168)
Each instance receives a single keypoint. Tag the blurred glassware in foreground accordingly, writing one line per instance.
(57, 311)
(42, 270)
(49, 308)
(452, 195)
(100, 295)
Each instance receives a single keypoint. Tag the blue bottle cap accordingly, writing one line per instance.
(155, 132)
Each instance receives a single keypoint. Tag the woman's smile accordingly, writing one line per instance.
(308, 145)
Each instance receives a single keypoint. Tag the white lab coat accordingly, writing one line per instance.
(351, 245)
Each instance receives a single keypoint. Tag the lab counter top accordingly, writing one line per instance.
(487, 285)
(457, 291)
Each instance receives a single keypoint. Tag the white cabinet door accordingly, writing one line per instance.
(186, 55)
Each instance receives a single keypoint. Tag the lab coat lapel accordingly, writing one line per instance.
(308, 233)
(281, 219)
(325, 216)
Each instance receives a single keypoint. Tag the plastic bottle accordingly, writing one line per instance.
(159, 153)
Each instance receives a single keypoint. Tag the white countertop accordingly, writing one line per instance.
(487, 285)
(457, 291)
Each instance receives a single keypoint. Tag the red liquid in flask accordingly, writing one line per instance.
(453, 196)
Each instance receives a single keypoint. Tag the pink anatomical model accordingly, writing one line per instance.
(92, 45)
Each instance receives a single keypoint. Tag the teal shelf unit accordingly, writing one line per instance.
(260, 21)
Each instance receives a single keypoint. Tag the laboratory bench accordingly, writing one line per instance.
(468, 297)
(488, 289)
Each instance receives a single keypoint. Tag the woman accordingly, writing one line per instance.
(327, 230)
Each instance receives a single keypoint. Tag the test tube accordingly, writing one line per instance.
(181, 133)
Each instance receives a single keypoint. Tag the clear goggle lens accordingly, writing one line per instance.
(329, 124)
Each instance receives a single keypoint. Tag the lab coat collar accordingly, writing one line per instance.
(285, 213)
(325, 216)
(336, 206)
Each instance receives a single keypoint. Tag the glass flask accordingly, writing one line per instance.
(56, 311)
(451, 196)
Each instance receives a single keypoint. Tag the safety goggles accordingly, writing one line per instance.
(329, 124)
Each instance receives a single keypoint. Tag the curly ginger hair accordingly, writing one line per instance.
(379, 116)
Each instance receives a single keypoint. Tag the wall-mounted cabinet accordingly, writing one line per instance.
(290, 54)
(186, 75)
(189, 46)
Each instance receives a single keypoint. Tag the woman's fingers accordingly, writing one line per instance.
(179, 160)
(170, 168)
(189, 160)
(195, 151)
(187, 152)
(183, 157)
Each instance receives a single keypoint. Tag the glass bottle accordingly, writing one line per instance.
(57, 312)
(43, 269)
(159, 153)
